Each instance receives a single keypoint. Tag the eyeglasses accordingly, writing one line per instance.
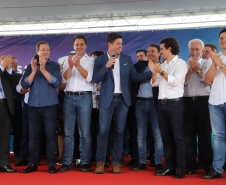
(207, 52)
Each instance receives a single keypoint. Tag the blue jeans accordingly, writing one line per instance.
(118, 110)
(145, 112)
(218, 124)
(77, 107)
(36, 117)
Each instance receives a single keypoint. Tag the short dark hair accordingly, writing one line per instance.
(14, 58)
(212, 46)
(222, 31)
(112, 37)
(40, 43)
(171, 42)
(142, 50)
(79, 37)
(156, 46)
(97, 53)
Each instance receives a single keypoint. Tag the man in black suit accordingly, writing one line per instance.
(7, 78)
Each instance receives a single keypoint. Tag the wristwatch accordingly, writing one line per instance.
(162, 73)
(222, 66)
(198, 71)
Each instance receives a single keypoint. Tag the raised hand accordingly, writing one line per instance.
(216, 59)
(158, 68)
(70, 62)
(6, 61)
(110, 62)
(151, 66)
(42, 62)
(34, 66)
(76, 60)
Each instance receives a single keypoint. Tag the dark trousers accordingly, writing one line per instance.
(132, 126)
(171, 119)
(197, 122)
(47, 116)
(5, 127)
(25, 135)
(17, 126)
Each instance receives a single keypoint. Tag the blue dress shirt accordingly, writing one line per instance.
(145, 90)
(42, 92)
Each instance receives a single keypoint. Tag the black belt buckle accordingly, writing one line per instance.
(117, 94)
(163, 101)
(194, 98)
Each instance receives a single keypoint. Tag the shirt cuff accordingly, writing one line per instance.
(26, 80)
(170, 79)
(10, 71)
(53, 79)
(2, 68)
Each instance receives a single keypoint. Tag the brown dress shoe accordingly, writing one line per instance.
(116, 168)
(100, 168)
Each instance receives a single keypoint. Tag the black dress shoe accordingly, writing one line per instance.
(152, 164)
(139, 167)
(52, 169)
(85, 168)
(191, 171)
(212, 174)
(132, 163)
(180, 174)
(8, 169)
(20, 163)
(158, 167)
(165, 171)
(65, 167)
(30, 168)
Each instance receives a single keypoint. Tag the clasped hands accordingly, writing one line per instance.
(155, 68)
(74, 61)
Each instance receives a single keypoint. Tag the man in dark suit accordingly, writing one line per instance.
(7, 78)
(115, 70)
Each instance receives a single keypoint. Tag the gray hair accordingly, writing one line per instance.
(196, 40)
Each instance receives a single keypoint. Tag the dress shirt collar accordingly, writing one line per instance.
(173, 60)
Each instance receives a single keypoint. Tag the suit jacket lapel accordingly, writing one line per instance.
(110, 69)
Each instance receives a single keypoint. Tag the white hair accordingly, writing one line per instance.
(196, 40)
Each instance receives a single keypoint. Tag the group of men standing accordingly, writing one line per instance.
(177, 116)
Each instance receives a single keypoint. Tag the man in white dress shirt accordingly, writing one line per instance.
(170, 77)
(78, 72)
(196, 113)
(217, 107)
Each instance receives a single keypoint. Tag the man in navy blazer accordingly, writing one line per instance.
(114, 70)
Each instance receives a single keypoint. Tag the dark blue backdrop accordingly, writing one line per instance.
(23, 47)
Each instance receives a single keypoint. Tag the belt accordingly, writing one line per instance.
(3, 100)
(145, 99)
(194, 98)
(78, 93)
(164, 101)
(117, 94)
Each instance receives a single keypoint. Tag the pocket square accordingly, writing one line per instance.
(125, 64)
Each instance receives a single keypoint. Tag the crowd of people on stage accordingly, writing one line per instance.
(74, 110)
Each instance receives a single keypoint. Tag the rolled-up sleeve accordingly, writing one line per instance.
(90, 70)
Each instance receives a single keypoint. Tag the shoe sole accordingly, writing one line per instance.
(85, 170)
(99, 172)
(30, 171)
(7, 171)
(65, 170)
